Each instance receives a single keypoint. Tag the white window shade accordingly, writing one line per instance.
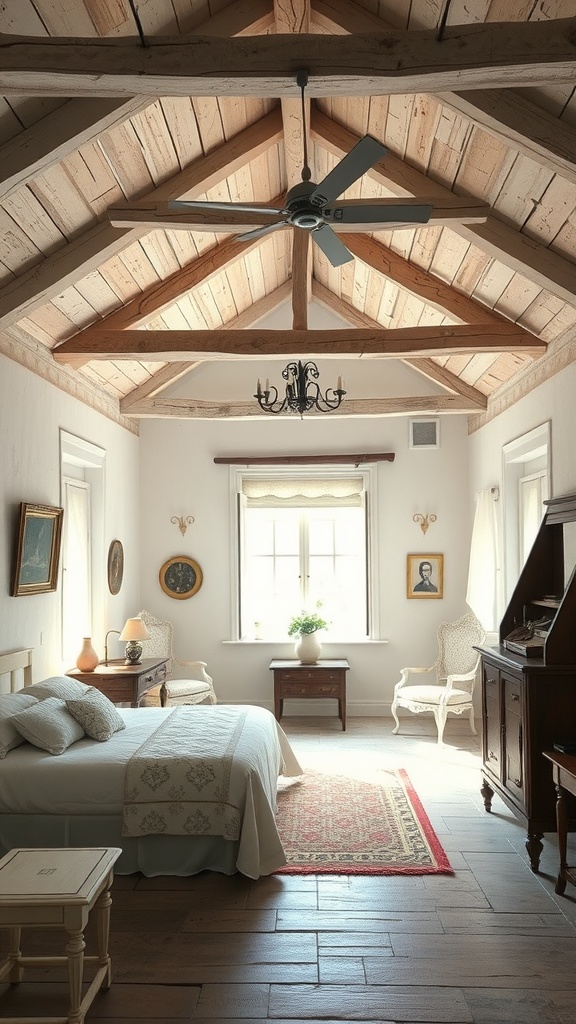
(286, 492)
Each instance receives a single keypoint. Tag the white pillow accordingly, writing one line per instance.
(48, 725)
(11, 704)
(57, 686)
(96, 714)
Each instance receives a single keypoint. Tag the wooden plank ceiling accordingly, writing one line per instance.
(107, 295)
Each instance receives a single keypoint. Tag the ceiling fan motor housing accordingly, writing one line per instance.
(302, 213)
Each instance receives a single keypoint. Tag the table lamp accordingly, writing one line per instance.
(134, 632)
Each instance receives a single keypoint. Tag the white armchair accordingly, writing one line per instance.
(194, 690)
(454, 676)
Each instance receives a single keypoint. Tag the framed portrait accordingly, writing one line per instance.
(115, 566)
(425, 576)
(37, 549)
(180, 577)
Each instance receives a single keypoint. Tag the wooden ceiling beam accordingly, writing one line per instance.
(426, 367)
(190, 408)
(512, 54)
(434, 292)
(293, 16)
(80, 121)
(512, 118)
(172, 346)
(159, 297)
(534, 261)
(90, 250)
(172, 372)
(76, 123)
(447, 210)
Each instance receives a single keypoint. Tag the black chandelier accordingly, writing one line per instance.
(302, 391)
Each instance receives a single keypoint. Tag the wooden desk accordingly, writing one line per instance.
(48, 889)
(124, 683)
(324, 679)
(564, 775)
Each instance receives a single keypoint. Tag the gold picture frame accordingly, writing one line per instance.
(425, 576)
(180, 577)
(37, 549)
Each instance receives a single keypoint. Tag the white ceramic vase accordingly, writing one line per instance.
(308, 648)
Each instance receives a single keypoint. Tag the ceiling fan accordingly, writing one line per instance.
(311, 206)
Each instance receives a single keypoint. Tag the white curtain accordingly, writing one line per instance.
(483, 569)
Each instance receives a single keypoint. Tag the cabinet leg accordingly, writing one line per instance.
(562, 829)
(534, 847)
(487, 793)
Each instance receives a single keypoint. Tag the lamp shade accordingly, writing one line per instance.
(134, 629)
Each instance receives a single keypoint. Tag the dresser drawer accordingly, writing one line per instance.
(309, 676)
(153, 678)
(120, 692)
(313, 689)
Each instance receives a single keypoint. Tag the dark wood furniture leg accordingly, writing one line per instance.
(534, 847)
(487, 793)
(562, 828)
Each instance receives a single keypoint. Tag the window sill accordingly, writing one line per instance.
(250, 642)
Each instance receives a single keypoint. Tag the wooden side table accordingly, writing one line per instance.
(564, 775)
(124, 683)
(323, 679)
(58, 889)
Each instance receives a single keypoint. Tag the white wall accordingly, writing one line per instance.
(31, 415)
(553, 401)
(179, 477)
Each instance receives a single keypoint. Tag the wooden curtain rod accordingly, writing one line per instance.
(306, 460)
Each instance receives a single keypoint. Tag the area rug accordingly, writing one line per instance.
(334, 824)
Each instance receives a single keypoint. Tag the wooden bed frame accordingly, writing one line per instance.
(17, 666)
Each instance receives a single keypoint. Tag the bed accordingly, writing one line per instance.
(180, 790)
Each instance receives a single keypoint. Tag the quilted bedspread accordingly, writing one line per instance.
(211, 773)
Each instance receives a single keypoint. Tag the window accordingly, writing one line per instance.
(303, 543)
(82, 497)
(526, 479)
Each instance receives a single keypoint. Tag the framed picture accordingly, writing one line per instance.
(425, 576)
(180, 577)
(38, 549)
(115, 566)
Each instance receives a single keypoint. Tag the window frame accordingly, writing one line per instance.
(369, 475)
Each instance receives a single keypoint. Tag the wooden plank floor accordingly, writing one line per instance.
(491, 945)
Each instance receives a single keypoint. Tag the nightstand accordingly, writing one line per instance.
(124, 683)
(323, 679)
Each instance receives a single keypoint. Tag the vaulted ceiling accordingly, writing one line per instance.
(110, 110)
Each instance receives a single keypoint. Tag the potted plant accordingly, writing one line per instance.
(305, 626)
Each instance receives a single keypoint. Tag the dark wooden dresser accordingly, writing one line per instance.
(122, 683)
(529, 703)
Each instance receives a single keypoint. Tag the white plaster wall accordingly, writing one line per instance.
(179, 477)
(553, 401)
(31, 415)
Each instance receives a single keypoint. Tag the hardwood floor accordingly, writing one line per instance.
(491, 945)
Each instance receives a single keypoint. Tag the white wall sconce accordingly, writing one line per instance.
(424, 520)
(182, 522)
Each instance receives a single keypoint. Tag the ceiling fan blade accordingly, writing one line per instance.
(334, 250)
(352, 166)
(258, 232)
(389, 211)
(197, 204)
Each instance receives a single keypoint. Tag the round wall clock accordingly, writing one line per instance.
(180, 577)
(115, 566)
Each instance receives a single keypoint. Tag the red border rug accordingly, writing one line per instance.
(334, 824)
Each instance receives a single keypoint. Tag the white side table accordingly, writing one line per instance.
(58, 889)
